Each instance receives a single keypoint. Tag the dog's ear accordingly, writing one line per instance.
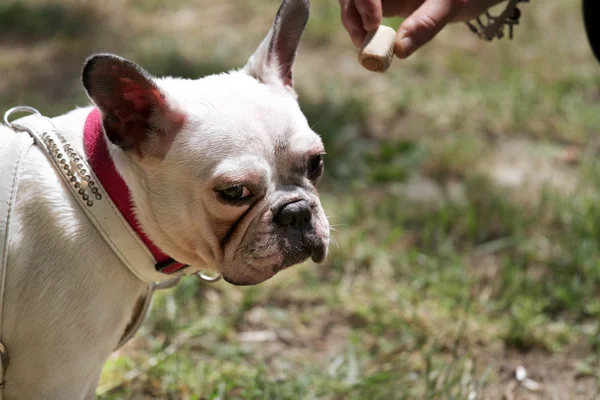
(136, 114)
(274, 58)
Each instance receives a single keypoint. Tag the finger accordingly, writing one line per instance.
(397, 8)
(426, 22)
(370, 12)
(352, 22)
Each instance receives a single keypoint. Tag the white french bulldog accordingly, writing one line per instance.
(222, 173)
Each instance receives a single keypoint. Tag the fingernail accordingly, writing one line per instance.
(404, 47)
(370, 23)
(371, 26)
(357, 38)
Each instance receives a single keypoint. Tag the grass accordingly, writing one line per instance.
(26, 23)
(443, 278)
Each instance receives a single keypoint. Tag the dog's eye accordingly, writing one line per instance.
(315, 166)
(237, 192)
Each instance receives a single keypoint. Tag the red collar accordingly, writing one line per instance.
(96, 150)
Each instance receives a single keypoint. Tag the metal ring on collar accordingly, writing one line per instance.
(18, 109)
(202, 276)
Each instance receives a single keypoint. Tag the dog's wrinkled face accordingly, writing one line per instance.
(223, 169)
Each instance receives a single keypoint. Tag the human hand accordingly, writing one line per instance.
(424, 18)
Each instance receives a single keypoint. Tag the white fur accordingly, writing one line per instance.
(68, 296)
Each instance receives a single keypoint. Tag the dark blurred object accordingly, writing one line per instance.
(591, 19)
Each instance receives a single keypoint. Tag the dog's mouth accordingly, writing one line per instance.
(295, 258)
(260, 269)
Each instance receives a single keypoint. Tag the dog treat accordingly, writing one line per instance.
(377, 50)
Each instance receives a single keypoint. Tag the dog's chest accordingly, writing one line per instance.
(65, 288)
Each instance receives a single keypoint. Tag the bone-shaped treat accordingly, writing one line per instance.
(377, 51)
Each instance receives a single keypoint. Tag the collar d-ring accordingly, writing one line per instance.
(18, 109)
(207, 278)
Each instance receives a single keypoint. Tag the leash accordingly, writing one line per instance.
(89, 193)
(91, 196)
(12, 152)
(87, 189)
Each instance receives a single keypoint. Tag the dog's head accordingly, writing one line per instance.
(223, 170)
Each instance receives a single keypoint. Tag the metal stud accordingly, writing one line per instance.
(72, 164)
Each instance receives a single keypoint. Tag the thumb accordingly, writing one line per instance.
(423, 24)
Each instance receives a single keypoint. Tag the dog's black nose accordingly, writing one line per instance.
(296, 214)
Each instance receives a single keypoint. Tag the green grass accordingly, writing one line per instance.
(21, 22)
(440, 280)
(415, 320)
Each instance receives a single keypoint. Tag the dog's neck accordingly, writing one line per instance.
(96, 150)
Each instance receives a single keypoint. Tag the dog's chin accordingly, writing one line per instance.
(260, 270)
(252, 277)
(245, 281)
(260, 267)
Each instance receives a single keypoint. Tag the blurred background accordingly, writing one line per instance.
(463, 187)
